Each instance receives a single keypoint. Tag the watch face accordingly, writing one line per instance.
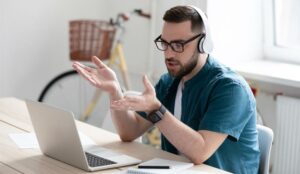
(154, 117)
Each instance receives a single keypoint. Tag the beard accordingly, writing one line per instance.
(184, 69)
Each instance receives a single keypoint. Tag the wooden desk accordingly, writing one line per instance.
(14, 118)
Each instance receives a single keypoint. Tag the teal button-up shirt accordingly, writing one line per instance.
(219, 100)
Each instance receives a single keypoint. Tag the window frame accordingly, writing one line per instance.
(272, 51)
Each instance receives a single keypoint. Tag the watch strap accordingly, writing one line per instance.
(157, 115)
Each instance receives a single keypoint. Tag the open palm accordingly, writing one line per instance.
(101, 77)
(147, 101)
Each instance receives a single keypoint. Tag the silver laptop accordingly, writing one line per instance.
(59, 139)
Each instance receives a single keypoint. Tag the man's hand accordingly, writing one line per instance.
(101, 77)
(146, 102)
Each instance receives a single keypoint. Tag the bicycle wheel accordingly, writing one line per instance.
(71, 92)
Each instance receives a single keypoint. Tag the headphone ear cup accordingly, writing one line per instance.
(205, 44)
(200, 45)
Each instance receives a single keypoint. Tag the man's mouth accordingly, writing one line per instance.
(172, 63)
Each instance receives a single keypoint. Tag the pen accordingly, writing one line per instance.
(154, 167)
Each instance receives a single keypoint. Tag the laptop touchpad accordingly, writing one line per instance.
(102, 152)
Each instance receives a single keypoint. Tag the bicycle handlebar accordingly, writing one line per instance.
(124, 17)
(142, 14)
(139, 12)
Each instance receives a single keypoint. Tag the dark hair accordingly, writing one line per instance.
(179, 14)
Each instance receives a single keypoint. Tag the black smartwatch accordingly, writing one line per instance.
(157, 115)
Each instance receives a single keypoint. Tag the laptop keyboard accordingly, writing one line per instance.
(95, 161)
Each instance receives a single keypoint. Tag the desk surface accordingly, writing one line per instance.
(14, 118)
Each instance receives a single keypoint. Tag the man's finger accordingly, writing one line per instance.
(85, 74)
(116, 107)
(80, 70)
(147, 84)
(77, 64)
(119, 105)
(135, 99)
(98, 62)
(96, 81)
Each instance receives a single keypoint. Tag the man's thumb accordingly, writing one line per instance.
(147, 84)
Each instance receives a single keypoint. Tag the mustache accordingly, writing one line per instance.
(171, 60)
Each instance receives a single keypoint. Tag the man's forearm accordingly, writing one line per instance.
(186, 140)
(128, 125)
(198, 146)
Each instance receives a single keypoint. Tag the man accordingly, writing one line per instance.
(204, 110)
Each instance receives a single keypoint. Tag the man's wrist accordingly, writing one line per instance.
(157, 115)
(116, 94)
(155, 106)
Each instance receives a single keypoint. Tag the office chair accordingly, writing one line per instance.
(265, 139)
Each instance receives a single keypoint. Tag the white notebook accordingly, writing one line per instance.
(175, 166)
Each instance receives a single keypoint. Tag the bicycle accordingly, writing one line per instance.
(89, 38)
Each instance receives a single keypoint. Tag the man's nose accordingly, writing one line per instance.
(169, 52)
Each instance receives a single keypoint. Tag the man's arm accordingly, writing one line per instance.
(128, 124)
(198, 146)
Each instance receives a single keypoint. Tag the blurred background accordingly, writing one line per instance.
(260, 39)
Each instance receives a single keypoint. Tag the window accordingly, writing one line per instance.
(282, 30)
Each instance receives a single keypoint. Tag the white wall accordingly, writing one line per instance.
(34, 41)
(2, 82)
(236, 29)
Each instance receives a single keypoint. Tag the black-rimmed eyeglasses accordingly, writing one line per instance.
(177, 46)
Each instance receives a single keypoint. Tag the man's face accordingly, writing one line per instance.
(180, 64)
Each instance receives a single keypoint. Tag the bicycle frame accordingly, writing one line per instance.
(117, 55)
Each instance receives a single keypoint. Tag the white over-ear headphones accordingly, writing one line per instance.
(205, 44)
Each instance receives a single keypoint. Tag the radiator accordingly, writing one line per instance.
(286, 148)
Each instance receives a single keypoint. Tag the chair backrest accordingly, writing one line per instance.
(265, 139)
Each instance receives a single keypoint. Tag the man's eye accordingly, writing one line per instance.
(176, 46)
(163, 44)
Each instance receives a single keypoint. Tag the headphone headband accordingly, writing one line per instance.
(205, 44)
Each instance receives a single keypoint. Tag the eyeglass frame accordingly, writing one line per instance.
(182, 43)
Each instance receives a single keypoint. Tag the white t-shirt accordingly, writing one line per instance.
(177, 107)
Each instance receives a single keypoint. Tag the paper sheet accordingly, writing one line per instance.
(29, 140)
(25, 140)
